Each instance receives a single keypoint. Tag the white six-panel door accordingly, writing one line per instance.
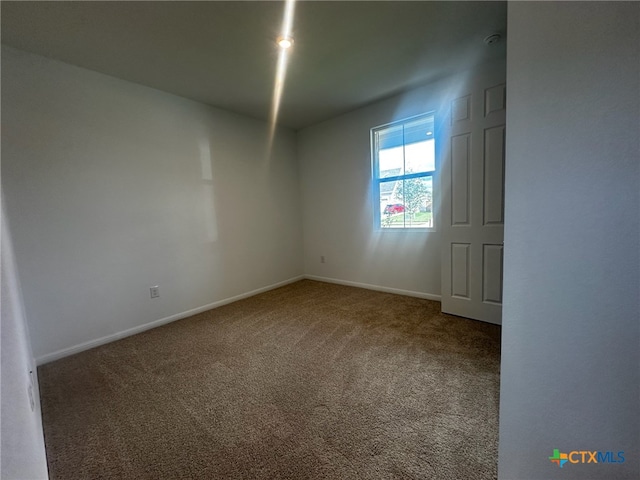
(472, 212)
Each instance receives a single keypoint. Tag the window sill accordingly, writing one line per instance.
(407, 230)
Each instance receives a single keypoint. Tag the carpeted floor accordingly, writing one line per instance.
(309, 381)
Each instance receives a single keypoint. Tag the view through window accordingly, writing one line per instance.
(403, 168)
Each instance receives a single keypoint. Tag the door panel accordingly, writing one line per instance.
(460, 194)
(473, 202)
(493, 203)
(492, 274)
(460, 270)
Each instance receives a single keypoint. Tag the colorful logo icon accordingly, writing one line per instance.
(559, 458)
(586, 456)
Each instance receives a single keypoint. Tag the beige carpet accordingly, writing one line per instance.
(309, 381)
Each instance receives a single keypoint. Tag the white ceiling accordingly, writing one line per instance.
(346, 54)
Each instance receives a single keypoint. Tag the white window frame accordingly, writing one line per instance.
(376, 180)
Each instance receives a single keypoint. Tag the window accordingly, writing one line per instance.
(404, 163)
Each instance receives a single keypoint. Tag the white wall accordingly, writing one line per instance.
(571, 343)
(22, 454)
(335, 168)
(112, 187)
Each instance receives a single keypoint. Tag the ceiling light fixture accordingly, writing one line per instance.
(285, 42)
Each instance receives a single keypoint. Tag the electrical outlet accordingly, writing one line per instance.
(155, 291)
(321, 258)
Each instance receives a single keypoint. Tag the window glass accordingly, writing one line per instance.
(404, 164)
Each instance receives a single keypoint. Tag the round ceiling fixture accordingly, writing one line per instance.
(493, 39)
(285, 42)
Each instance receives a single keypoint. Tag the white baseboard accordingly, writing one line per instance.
(65, 352)
(378, 288)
